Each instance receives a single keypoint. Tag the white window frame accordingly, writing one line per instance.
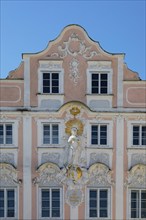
(5, 202)
(40, 202)
(51, 72)
(108, 202)
(50, 67)
(89, 81)
(109, 125)
(99, 83)
(129, 202)
(99, 136)
(51, 133)
(40, 124)
(130, 125)
(14, 124)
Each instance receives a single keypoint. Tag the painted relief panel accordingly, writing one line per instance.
(11, 94)
(135, 95)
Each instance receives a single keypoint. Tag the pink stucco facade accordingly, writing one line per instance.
(74, 82)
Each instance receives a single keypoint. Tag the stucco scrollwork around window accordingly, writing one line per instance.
(137, 176)
(8, 175)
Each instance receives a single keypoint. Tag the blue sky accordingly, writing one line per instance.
(28, 26)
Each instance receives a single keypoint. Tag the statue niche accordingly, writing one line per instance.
(74, 148)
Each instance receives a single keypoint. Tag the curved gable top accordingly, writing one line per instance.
(69, 35)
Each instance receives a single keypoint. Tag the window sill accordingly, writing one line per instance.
(99, 147)
(8, 147)
(39, 93)
(96, 94)
(136, 147)
(49, 146)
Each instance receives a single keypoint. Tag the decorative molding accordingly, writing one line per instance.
(8, 175)
(74, 47)
(137, 103)
(138, 159)
(50, 157)
(99, 65)
(99, 158)
(51, 65)
(74, 71)
(74, 197)
(7, 158)
(47, 175)
(14, 87)
(137, 176)
(100, 175)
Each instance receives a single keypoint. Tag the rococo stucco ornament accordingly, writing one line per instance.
(74, 173)
(74, 71)
(8, 175)
(137, 176)
(74, 46)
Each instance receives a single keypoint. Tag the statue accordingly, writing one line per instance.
(74, 148)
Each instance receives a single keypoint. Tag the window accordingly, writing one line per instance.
(139, 135)
(50, 134)
(99, 83)
(50, 203)
(7, 203)
(138, 204)
(99, 134)
(6, 134)
(98, 203)
(51, 82)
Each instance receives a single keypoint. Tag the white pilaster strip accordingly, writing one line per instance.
(73, 213)
(27, 82)
(120, 82)
(27, 155)
(119, 167)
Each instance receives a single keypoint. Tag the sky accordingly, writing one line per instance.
(27, 26)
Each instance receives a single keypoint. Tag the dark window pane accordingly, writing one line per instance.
(143, 135)
(103, 91)
(55, 90)
(46, 134)
(93, 203)
(95, 83)
(1, 194)
(94, 134)
(95, 90)
(135, 204)
(10, 193)
(1, 212)
(103, 76)
(55, 193)
(45, 213)
(93, 194)
(93, 213)
(55, 213)
(55, 76)
(10, 213)
(103, 135)
(46, 89)
(46, 83)
(46, 76)
(135, 135)
(1, 203)
(45, 203)
(95, 76)
(143, 204)
(8, 134)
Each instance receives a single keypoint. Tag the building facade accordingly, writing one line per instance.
(73, 134)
